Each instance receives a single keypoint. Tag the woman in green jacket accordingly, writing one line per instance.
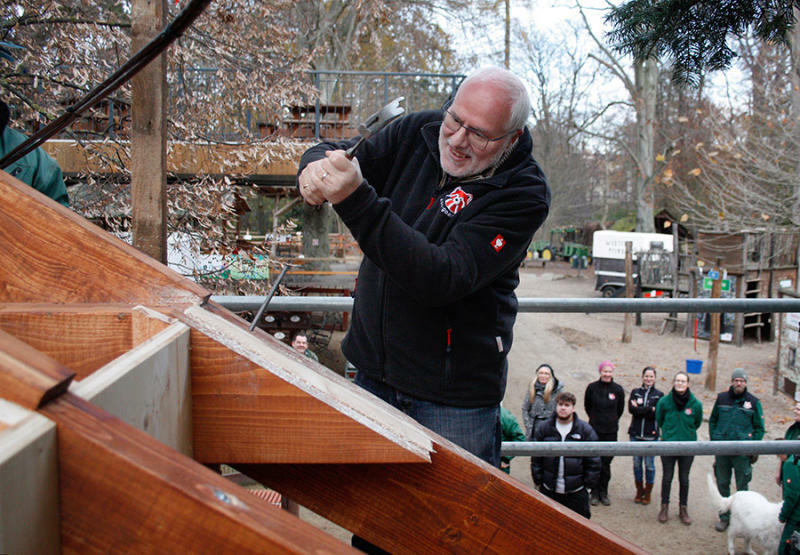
(679, 414)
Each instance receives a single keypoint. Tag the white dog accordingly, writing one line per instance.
(752, 518)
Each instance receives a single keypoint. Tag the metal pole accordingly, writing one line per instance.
(647, 448)
(269, 298)
(530, 304)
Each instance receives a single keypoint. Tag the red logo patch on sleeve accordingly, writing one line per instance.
(498, 243)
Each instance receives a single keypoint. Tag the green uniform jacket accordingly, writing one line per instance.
(790, 510)
(510, 430)
(36, 168)
(678, 425)
(736, 418)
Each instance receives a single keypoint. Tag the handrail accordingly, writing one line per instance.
(647, 448)
(529, 304)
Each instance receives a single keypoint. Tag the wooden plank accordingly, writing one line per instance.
(79, 264)
(28, 377)
(149, 388)
(122, 490)
(257, 400)
(456, 504)
(29, 517)
(82, 337)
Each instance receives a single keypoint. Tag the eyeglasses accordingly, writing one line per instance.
(476, 139)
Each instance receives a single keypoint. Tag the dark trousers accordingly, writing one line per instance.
(577, 501)
(724, 467)
(668, 470)
(605, 463)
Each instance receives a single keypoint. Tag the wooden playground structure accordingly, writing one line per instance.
(122, 386)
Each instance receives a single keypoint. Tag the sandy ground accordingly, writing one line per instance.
(574, 344)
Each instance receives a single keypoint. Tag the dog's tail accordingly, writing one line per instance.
(723, 504)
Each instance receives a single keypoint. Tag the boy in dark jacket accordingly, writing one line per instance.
(566, 479)
(604, 402)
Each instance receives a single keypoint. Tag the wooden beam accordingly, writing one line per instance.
(147, 323)
(80, 263)
(29, 516)
(28, 377)
(257, 400)
(82, 337)
(149, 134)
(457, 504)
(122, 490)
(149, 388)
(256, 160)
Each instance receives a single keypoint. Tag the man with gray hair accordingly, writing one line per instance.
(443, 203)
(737, 415)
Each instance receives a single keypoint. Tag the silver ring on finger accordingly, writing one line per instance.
(324, 175)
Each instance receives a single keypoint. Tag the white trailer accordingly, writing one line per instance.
(608, 252)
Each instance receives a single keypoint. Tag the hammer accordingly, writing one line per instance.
(376, 122)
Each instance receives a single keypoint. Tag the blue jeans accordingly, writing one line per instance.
(649, 466)
(475, 429)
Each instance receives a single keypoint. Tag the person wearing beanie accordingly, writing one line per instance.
(36, 168)
(604, 401)
(736, 416)
(539, 403)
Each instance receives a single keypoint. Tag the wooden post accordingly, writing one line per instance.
(713, 341)
(149, 135)
(627, 331)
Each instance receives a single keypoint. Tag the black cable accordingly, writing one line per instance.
(135, 64)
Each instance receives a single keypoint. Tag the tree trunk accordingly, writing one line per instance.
(646, 74)
(795, 98)
(508, 35)
(316, 246)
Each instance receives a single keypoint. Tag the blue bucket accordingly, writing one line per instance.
(693, 366)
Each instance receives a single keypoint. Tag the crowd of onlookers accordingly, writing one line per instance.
(549, 414)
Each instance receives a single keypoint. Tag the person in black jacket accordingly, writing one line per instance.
(443, 204)
(566, 479)
(642, 406)
(604, 402)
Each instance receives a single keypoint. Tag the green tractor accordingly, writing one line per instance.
(564, 242)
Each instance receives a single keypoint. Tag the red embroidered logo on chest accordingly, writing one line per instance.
(457, 200)
(498, 243)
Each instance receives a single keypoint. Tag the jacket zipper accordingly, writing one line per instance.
(448, 356)
(646, 394)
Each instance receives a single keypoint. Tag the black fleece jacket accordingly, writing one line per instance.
(604, 404)
(434, 302)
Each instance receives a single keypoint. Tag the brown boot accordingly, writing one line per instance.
(662, 516)
(639, 492)
(683, 514)
(646, 494)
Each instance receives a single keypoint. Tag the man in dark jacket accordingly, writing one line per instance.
(566, 479)
(443, 204)
(736, 416)
(604, 402)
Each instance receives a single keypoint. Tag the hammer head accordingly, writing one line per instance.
(379, 119)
